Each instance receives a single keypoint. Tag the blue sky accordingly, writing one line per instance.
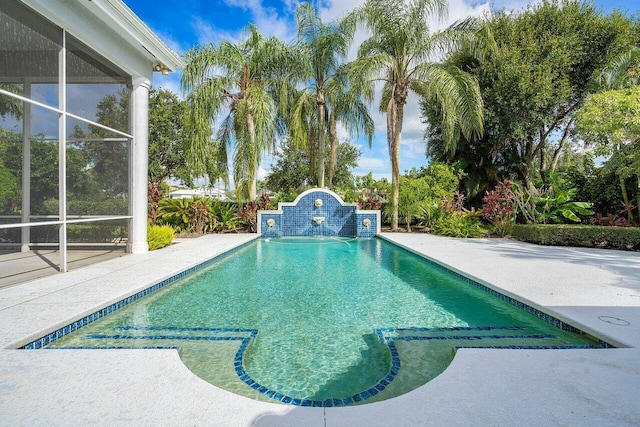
(183, 24)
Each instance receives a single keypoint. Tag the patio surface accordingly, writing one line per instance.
(595, 290)
(20, 267)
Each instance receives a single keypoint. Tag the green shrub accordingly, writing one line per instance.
(458, 225)
(159, 236)
(225, 215)
(88, 207)
(97, 232)
(187, 215)
(588, 236)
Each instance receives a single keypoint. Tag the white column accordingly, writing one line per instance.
(139, 165)
(62, 154)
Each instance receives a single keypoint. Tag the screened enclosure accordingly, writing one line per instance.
(67, 145)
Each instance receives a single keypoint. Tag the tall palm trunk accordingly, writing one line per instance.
(252, 158)
(322, 140)
(313, 148)
(395, 117)
(393, 141)
(333, 156)
(638, 195)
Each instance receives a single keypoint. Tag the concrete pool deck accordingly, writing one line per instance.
(596, 290)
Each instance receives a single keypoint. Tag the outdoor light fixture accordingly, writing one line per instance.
(161, 68)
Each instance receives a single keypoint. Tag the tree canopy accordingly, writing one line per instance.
(540, 74)
(292, 169)
(167, 142)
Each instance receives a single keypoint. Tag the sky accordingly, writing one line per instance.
(183, 24)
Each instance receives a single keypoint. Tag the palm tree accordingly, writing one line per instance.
(403, 54)
(239, 78)
(624, 73)
(10, 106)
(327, 97)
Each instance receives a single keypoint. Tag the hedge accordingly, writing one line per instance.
(588, 236)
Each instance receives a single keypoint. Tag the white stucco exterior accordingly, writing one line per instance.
(113, 31)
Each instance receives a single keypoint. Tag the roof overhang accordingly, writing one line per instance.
(106, 25)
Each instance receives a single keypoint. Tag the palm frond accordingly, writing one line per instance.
(617, 76)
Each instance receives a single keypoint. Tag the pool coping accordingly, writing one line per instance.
(528, 307)
(131, 390)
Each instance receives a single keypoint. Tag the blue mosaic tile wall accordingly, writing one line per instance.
(334, 218)
(364, 231)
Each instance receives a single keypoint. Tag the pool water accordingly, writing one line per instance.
(320, 321)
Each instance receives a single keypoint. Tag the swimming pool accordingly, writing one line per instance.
(320, 322)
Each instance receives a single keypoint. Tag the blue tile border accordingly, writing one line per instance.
(246, 341)
(381, 333)
(66, 330)
(53, 336)
(327, 403)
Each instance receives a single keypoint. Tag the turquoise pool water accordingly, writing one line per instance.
(320, 322)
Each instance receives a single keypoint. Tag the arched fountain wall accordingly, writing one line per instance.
(318, 212)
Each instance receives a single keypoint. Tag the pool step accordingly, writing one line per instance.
(152, 337)
(474, 336)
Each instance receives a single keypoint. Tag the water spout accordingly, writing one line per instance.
(318, 219)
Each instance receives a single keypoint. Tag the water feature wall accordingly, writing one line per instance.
(318, 212)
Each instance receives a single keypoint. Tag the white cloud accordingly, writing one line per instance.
(372, 164)
(267, 18)
(262, 173)
(207, 33)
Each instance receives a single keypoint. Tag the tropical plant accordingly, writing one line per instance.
(549, 206)
(187, 215)
(458, 224)
(625, 72)
(430, 213)
(611, 220)
(159, 236)
(327, 96)
(248, 213)
(240, 79)
(369, 204)
(400, 53)
(154, 195)
(225, 215)
(499, 208)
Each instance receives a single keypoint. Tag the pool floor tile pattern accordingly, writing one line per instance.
(387, 336)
